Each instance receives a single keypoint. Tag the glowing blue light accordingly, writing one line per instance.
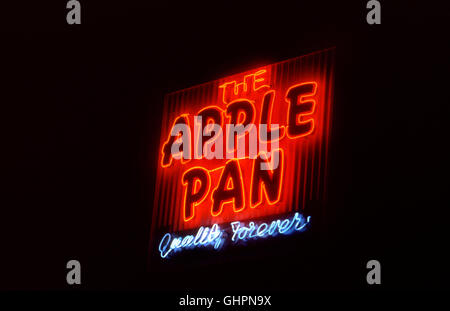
(207, 236)
(204, 237)
(263, 230)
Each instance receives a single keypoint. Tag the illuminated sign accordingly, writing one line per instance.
(243, 149)
(215, 236)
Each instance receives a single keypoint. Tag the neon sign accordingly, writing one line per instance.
(250, 146)
(215, 236)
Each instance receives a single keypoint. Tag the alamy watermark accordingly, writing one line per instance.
(234, 135)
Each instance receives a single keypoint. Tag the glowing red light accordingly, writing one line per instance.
(297, 95)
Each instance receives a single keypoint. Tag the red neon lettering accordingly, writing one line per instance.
(234, 90)
(166, 159)
(194, 195)
(265, 181)
(229, 190)
(209, 115)
(266, 116)
(299, 108)
(262, 185)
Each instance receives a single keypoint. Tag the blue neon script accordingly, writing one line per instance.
(263, 230)
(215, 236)
(205, 236)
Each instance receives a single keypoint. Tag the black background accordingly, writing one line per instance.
(81, 117)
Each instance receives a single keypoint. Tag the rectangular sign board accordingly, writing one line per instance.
(244, 156)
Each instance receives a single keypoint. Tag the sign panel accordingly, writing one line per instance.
(244, 157)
